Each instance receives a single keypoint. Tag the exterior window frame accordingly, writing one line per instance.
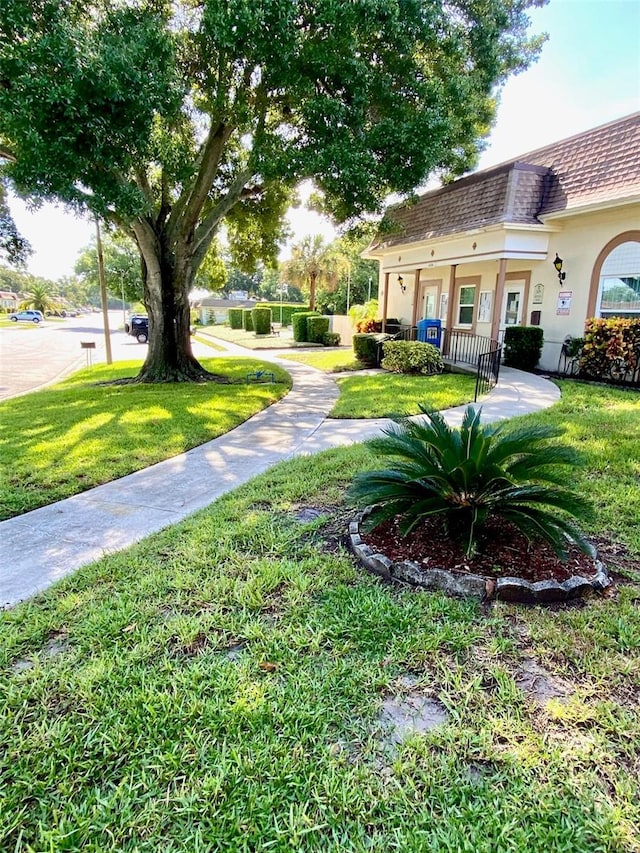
(464, 283)
(595, 290)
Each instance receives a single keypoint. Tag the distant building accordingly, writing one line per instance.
(212, 309)
(8, 300)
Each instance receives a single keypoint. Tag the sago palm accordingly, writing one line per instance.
(472, 473)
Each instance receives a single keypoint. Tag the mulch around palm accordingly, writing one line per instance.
(503, 552)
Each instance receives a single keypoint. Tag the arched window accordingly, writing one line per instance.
(619, 285)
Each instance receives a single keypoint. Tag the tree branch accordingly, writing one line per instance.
(210, 160)
(208, 226)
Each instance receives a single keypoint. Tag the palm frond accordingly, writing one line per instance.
(472, 472)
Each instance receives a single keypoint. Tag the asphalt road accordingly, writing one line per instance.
(32, 356)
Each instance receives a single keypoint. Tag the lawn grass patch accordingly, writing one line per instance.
(249, 340)
(604, 424)
(75, 435)
(218, 687)
(383, 395)
(331, 361)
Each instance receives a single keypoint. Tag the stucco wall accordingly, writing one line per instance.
(578, 239)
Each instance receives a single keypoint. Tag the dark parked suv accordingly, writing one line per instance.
(138, 326)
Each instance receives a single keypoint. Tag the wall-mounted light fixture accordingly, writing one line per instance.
(558, 265)
(403, 286)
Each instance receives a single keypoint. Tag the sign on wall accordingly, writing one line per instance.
(484, 307)
(538, 294)
(564, 302)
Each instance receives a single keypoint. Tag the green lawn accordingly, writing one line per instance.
(249, 340)
(383, 395)
(218, 686)
(329, 360)
(68, 438)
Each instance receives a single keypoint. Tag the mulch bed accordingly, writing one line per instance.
(503, 551)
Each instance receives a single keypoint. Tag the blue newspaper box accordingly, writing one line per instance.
(430, 332)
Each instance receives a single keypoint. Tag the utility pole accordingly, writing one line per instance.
(103, 295)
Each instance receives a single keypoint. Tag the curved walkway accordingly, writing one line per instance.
(44, 545)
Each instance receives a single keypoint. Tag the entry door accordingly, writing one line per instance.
(429, 306)
(512, 305)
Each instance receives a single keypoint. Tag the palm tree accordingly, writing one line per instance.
(313, 261)
(468, 474)
(40, 298)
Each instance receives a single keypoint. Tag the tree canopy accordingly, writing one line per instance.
(169, 118)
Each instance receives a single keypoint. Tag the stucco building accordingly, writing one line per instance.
(479, 253)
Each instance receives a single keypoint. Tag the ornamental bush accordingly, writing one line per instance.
(261, 318)
(247, 319)
(469, 474)
(411, 357)
(366, 347)
(615, 341)
(523, 346)
(235, 318)
(331, 339)
(287, 310)
(317, 326)
(299, 323)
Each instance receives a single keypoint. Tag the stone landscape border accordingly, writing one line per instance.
(477, 586)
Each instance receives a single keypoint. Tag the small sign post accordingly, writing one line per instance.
(88, 346)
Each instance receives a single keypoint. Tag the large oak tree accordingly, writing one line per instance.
(169, 118)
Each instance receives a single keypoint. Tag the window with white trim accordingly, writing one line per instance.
(466, 305)
(619, 291)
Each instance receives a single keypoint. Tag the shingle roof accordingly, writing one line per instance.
(599, 165)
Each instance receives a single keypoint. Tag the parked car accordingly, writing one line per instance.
(29, 315)
(138, 326)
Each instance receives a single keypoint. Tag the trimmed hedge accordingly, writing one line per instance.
(522, 346)
(365, 347)
(331, 339)
(236, 318)
(299, 323)
(247, 319)
(288, 309)
(261, 318)
(609, 342)
(411, 357)
(317, 326)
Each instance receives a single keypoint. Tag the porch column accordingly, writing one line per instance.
(450, 306)
(385, 302)
(416, 297)
(497, 302)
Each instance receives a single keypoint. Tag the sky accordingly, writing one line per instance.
(588, 74)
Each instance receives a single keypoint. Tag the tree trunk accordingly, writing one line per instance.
(167, 281)
(312, 291)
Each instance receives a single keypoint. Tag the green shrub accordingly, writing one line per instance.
(522, 346)
(287, 310)
(317, 326)
(610, 343)
(247, 319)
(366, 347)
(261, 317)
(472, 473)
(411, 357)
(331, 339)
(236, 318)
(299, 323)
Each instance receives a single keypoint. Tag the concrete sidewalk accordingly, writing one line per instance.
(44, 545)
